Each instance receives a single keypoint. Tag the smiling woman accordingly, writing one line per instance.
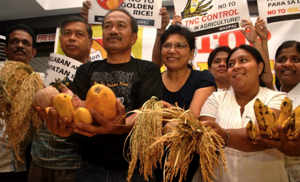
(184, 86)
(187, 87)
(287, 70)
(228, 113)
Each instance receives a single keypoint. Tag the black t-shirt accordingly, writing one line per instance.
(133, 83)
(197, 79)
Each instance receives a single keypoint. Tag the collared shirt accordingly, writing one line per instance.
(8, 161)
(260, 166)
(292, 164)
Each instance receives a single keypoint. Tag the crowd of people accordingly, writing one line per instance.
(222, 97)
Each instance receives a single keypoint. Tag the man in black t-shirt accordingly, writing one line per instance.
(133, 81)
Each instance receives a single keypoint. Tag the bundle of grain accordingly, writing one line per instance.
(21, 84)
(188, 137)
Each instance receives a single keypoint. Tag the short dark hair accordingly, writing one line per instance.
(134, 26)
(23, 28)
(213, 54)
(257, 56)
(77, 19)
(181, 30)
(287, 44)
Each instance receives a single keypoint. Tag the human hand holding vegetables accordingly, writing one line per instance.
(118, 125)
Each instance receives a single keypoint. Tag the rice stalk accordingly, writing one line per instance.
(146, 128)
(188, 137)
(21, 83)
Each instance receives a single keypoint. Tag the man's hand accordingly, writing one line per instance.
(165, 19)
(86, 5)
(63, 129)
(290, 148)
(118, 125)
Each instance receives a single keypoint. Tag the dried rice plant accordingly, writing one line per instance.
(21, 83)
(188, 137)
(5, 100)
(147, 127)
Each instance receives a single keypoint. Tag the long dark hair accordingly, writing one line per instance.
(255, 54)
(213, 54)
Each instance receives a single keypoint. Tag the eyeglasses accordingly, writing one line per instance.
(177, 46)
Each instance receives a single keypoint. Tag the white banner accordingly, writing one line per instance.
(212, 16)
(146, 12)
(59, 4)
(277, 12)
(60, 69)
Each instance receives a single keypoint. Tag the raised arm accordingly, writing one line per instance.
(262, 32)
(165, 20)
(86, 5)
(249, 32)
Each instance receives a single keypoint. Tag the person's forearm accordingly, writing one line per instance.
(267, 77)
(156, 58)
(239, 140)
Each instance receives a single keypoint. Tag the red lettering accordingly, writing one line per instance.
(205, 45)
(192, 21)
(225, 13)
(52, 37)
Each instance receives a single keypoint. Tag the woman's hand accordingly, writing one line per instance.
(217, 128)
(287, 147)
(261, 29)
(249, 31)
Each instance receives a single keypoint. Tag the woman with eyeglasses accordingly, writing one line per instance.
(183, 85)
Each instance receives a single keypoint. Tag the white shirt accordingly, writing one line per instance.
(260, 166)
(292, 164)
(8, 161)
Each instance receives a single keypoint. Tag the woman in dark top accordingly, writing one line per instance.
(182, 85)
(189, 88)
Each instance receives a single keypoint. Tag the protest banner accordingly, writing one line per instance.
(59, 4)
(60, 69)
(205, 44)
(279, 11)
(212, 16)
(146, 12)
(283, 22)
